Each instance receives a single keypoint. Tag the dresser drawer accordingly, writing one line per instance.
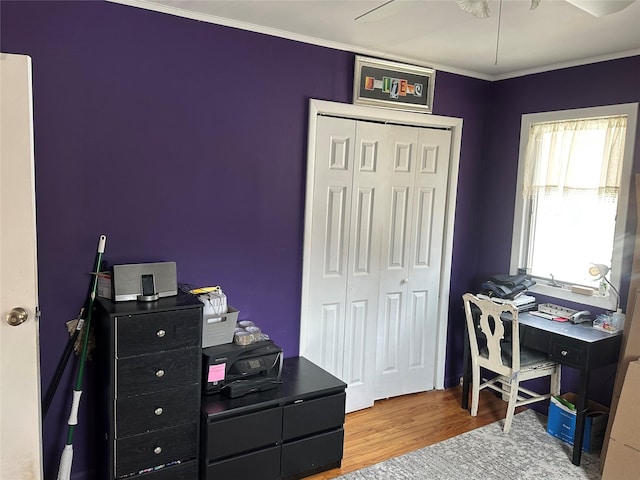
(312, 454)
(154, 411)
(134, 454)
(566, 353)
(157, 332)
(157, 372)
(244, 433)
(310, 416)
(260, 465)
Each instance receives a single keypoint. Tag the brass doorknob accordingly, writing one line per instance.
(17, 316)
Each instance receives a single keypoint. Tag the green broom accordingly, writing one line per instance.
(64, 470)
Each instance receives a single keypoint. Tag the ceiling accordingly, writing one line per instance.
(512, 41)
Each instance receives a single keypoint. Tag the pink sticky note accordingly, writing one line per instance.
(216, 372)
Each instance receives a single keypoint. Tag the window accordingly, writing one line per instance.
(573, 183)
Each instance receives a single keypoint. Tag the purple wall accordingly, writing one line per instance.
(208, 126)
(181, 141)
(467, 98)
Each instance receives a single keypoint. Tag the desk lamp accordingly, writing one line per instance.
(600, 271)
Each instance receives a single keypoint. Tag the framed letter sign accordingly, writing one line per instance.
(381, 83)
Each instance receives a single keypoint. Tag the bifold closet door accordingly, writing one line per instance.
(346, 227)
(412, 243)
(373, 266)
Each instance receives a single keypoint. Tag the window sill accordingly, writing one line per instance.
(607, 303)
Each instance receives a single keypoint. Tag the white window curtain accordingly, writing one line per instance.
(576, 156)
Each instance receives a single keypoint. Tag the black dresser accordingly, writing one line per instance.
(287, 433)
(149, 355)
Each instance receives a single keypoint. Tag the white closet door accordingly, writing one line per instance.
(372, 269)
(330, 227)
(411, 260)
(393, 338)
(344, 255)
(363, 272)
(425, 258)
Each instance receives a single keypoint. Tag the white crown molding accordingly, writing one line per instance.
(146, 5)
(573, 63)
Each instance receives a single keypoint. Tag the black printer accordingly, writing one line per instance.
(235, 370)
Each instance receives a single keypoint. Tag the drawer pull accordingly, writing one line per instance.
(157, 450)
(160, 373)
(161, 333)
(158, 411)
(564, 353)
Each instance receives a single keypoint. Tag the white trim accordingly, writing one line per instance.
(629, 109)
(559, 66)
(321, 107)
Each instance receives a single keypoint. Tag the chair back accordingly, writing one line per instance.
(492, 327)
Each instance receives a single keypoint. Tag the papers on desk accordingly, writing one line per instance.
(523, 303)
(541, 314)
(548, 316)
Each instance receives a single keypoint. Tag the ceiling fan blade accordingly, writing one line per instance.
(600, 8)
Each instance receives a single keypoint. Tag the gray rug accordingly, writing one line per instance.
(526, 452)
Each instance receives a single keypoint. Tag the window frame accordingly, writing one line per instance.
(520, 236)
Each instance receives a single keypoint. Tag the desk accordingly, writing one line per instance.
(579, 346)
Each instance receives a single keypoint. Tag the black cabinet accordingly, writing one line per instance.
(149, 355)
(287, 433)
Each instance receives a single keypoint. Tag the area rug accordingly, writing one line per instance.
(526, 452)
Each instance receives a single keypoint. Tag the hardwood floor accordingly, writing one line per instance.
(400, 425)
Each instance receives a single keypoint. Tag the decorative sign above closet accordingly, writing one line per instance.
(381, 83)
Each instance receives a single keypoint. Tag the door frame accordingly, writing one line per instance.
(356, 112)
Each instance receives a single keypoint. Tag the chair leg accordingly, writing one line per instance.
(556, 379)
(511, 407)
(475, 390)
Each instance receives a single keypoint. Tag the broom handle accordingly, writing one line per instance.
(51, 391)
(64, 471)
(62, 364)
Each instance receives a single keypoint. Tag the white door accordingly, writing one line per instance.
(328, 261)
(373, 266)
(363, 268)
(345, 255)
(410, 266)
(20, 418)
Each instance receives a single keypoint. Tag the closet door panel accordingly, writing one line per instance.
(417, 343)
(424, 224)
(392, 333)
(398, 227)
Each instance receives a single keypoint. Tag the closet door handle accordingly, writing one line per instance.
(404, 281)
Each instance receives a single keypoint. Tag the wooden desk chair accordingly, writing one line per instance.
(512, 363)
